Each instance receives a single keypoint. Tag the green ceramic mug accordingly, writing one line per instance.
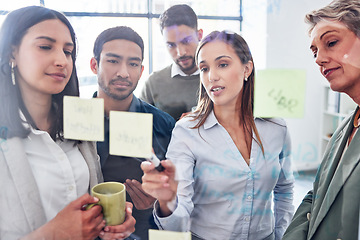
(112, 199)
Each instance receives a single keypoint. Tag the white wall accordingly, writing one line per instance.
(287, 46)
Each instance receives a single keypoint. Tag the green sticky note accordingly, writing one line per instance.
(84, 118)
(280, 93)
(131, 134)
(166, 235)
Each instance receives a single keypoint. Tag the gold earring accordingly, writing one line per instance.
(13, 74)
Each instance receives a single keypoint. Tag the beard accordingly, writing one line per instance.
(115, 93)
(189, 68)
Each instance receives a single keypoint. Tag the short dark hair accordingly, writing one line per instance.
(181, 14)
(13, 29)
(119, 32)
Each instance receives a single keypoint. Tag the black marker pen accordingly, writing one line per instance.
(156, 162)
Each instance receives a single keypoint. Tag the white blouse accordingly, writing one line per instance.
(60, 170)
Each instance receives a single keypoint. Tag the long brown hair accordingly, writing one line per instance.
(13, 29)
(205, 105)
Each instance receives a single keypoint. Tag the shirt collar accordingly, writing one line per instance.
(28, 126)
(134, 105)
(212, 121)
(176, 70)
(25, 123)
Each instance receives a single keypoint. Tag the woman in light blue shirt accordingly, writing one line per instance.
(229, 165)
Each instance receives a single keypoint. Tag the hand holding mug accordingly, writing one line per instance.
(73, 222)
(120, 231)
(112, 199)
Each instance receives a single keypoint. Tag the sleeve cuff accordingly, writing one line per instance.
(172, 205)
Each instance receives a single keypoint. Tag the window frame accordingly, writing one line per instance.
(149, 16)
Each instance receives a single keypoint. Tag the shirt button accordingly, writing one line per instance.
(249, 174)
(249, 197)
(247, 219)
(71, 188)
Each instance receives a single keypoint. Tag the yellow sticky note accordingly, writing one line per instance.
(130, 134)
(280, 93)
(166, 235)
(84, 118)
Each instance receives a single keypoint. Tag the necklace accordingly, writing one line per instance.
(356, 119)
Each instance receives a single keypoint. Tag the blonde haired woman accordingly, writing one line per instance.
(331, 209)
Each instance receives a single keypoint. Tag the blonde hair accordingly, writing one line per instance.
(345, 11)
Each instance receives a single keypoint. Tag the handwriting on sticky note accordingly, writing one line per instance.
(84, 118)
(131, 134)
(282, 101)
(166, 235)
(279, 93)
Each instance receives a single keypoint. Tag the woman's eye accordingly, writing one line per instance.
(67, 52)
(222, 65)
(203, 69)
(45, 47)
(332, 43)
